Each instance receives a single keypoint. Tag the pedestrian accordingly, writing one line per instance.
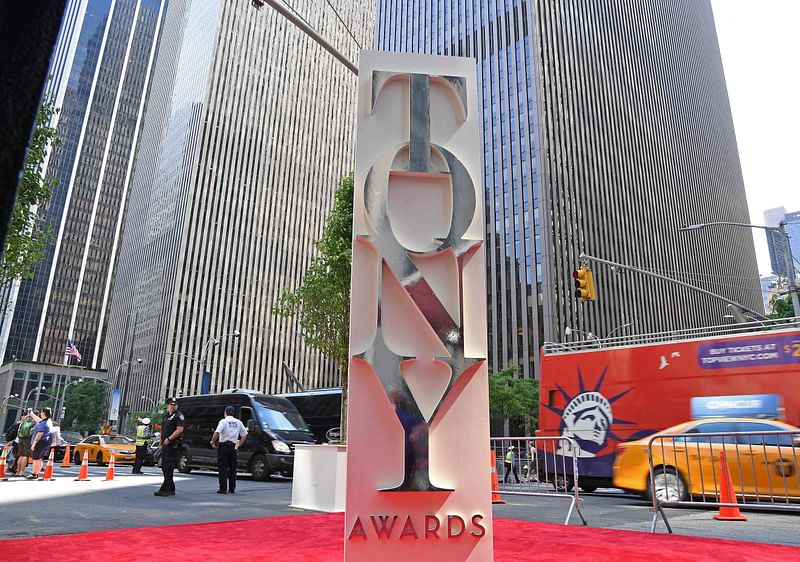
(228, 437)
(171, 429)
(510, 466)
(24, 435)
(40, 443)
(142, 440)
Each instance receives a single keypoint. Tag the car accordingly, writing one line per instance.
(71, 437)
(100, 448)
(689, 465)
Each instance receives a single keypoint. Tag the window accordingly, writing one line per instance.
(711, 427)
(760, 440)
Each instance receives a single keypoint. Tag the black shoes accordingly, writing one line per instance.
(163, 494)
(231, 492)
(32, 477)
(137, 472)
(222, 492)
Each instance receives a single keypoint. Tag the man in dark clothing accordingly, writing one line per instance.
(171, 431)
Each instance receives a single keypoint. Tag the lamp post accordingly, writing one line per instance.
(627, 324)
(152, 402)
(212, 342)
(31, 391)
(123, 407)
(60, 408)
(780, 229)
(568, 331)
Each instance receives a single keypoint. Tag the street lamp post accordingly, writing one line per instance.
(212, 342)
(123, 407)
(31, 391)
(153, 402)
(627, 324)
(568, 331)
(780, 229)
(64, 397)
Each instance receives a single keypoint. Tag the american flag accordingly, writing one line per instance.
(72, 350)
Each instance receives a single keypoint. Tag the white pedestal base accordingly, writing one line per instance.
(320, 477)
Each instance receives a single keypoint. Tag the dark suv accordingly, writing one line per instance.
(274, 426)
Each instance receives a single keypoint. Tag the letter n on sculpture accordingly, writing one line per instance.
(418, 406)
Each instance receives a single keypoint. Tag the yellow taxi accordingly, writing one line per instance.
(760, 465)
(100, 448)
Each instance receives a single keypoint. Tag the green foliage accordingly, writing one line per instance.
(28, 235)
(781, 307)
(322, 302)
(513, 397)
(85, 407)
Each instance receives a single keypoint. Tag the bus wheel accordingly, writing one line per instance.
(259, 468)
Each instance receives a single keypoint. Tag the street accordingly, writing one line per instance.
(66, 506)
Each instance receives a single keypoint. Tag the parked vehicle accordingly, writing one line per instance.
(322, 411)
(71, 437)
(274, 427)
(759, 465)
(605, 392)
(100, 448)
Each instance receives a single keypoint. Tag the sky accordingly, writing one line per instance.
(760, 45)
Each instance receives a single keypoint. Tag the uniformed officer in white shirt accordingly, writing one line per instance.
(228, 437)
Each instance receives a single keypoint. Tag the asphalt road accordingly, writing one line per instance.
(46, 508)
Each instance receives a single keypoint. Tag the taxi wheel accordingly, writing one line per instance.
(669, 485)
(76, 458)
(100, 459)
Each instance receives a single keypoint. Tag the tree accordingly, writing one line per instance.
(781, 307)
(85, 407)
(28, 234)
(322, 302)
(513, 398)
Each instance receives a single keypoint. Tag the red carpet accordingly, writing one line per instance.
(318, 538)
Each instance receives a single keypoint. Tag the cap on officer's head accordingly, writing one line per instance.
(172, 400)
(228, 410)
(145, 421)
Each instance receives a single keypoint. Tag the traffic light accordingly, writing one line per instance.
(584, 284)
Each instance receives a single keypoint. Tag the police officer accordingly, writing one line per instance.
(171, 430)
(228, 437)
(142, 438)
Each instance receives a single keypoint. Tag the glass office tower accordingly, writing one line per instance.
(247, 132)
(606, 127)
(98, 79)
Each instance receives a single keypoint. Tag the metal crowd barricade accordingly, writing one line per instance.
(541, 466)
(762, 467)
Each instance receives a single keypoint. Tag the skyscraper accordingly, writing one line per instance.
(248, 130)
(776, 243)
(99, 76)
(606, 127)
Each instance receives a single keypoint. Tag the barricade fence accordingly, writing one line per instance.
(691, 469)
(539, 466)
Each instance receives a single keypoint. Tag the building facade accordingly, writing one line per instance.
(775, 242)
(606, 127)
(248, 131)
(99, 77)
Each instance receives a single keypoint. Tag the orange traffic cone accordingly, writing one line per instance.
(48, 469)
(495, 484)
(83, 475)
(65, 462)
(3, 465)
(110, 471)
(726, 493)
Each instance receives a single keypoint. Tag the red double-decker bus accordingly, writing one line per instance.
(604, 392)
